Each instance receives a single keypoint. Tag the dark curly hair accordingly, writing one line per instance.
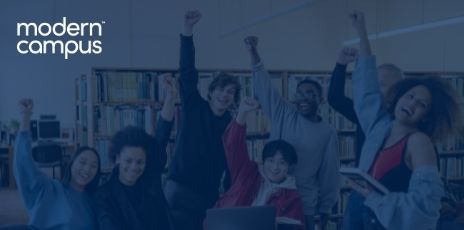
(221, 80)
(137, 137)
(92, 186)
(286, 149)
(444, 115)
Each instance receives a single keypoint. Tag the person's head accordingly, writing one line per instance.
(83, 170)
(132, 149)
(427, 103)
(308, 97)
(278, 156)
(388, 75)
(224, 91)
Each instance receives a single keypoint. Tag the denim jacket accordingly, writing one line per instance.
(419, 207)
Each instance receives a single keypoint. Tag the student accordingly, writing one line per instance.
(266, 184)
(399, 148)
(52, 204)
(315, 141)
(133, 197)
(199, 161)
(388, 75)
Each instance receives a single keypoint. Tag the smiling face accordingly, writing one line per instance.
(221, 99)
(413, 106)
(307, 99)
(84, 169)
(275, 168)
(131, 161)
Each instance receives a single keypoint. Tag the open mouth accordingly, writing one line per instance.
(406, 111)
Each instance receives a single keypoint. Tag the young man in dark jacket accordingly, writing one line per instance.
(199, 160)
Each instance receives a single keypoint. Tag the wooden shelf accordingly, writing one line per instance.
(115, 103)
(257, 136)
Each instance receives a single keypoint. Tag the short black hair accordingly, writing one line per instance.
(221, 80)
(287, 150)
(92, 186)
(312, 82)
(137, 137)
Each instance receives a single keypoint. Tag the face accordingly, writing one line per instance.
(131, 162)
(275, 168)
(387, 79)
(222, 98)
(413, 106)
(84, 169)
(307, 99)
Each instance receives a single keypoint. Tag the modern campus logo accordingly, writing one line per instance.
(62, 37)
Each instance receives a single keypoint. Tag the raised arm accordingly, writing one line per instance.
(165, 121)
(367, 97)
(271, 102)
(234, 139)
(336, 93)
(419, 207)
(30, 180)
(188, 79)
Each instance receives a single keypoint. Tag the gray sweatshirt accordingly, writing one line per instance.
(316, 144)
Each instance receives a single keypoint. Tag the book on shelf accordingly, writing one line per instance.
(358, 175)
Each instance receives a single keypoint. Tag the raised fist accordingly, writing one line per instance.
(357, 20)
(169, 83)
(26, 105)
(251, 42)
(347, 55)
(191, 17)
(248, 104)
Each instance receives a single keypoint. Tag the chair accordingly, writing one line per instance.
(48, 155)
(4, 166)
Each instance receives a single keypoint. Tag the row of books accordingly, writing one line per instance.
(346, 149)
(457, 83)
(103, 148)
(452, 168)
(452, 144)
(120, 86)
(109, 119)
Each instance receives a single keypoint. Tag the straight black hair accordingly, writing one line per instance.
(92, 186)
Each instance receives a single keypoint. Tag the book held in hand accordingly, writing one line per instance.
(358, 175)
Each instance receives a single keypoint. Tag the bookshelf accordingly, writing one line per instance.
(112, 98)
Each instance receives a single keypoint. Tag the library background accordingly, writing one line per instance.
(83, 103)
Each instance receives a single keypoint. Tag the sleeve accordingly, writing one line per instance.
(162, 135)
(368, 99)
(296, 212)
(235, 146)
(328, 177)
(419, 208)
(32, 183)
(107, 220)
(336, 94)
(273, 105)
(188, 79)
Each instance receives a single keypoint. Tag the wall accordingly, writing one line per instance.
(144, 33)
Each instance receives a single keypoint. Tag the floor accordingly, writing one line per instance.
(12, 210)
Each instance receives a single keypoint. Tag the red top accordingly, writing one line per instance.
(390, 167)
(246, 179)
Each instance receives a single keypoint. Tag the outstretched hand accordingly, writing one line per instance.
(347, 55)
